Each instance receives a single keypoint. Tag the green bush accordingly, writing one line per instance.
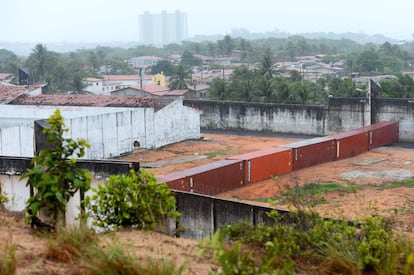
(54, 175)
(134, 200)
(303, 240)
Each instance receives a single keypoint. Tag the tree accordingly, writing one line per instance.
(41, 62)
(266, 68)
(178, 80)
(218, 90)
(163, 66)
(54, 175)
(188, 59)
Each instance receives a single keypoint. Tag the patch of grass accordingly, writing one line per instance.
(67, 245)
(216, 153)
(310, 194)
(403, 183)
(8, 262)
(119, 258)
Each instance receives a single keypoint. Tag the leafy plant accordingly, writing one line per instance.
(54, 175)
(134, 200)
(303, 240)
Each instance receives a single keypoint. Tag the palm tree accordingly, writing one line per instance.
(179, 78)
(40, 62)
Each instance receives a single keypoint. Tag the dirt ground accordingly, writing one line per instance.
(369, 173)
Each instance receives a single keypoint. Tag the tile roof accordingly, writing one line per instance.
(9, 91)
(89, 100)
(151, 88)
(4, 76)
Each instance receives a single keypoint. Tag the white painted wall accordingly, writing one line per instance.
(17, 141)
(110, 131)
(175, 123)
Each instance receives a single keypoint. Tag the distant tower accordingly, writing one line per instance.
(164, 28)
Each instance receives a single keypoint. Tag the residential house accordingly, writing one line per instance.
(110, 83)
(144, 61)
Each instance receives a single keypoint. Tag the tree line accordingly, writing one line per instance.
(64, 71)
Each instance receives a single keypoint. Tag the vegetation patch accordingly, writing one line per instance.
(403, 183)
(310, 194)
(303, 241)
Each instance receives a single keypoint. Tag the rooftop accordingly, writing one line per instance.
(88, 100)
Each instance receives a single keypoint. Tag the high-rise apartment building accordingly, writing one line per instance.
(162, 29)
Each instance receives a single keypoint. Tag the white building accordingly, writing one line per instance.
(111, 131)
(110, 83)
(164, 28)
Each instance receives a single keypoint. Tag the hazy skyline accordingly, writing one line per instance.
(46, 21)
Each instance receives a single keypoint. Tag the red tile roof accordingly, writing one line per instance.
(89, 100)
(8, 91)
(151, 88)
(4, 76)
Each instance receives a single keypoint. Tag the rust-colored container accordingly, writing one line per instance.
(383, 133)
(216, 177)
(312, 151)
(351, 143)
(266, 163)
(175, 181)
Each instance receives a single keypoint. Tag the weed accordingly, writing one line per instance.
(118, 258)
(8, 256)
(403, 183)
(67, 245)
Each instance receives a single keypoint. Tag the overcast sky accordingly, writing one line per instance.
(43, 21)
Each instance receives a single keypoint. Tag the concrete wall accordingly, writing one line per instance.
(17, 141)
(342, 114)
(200, 216)
(113, 134)
(18, 193)
(401, 110)
(298, 119)
(174, 123)
(111, 131)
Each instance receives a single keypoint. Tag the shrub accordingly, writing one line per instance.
(134, 200)
(303, 240)
(54, 175)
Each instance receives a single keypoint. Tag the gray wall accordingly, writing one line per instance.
(342, 114)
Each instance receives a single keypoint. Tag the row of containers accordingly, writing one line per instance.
(238, 171)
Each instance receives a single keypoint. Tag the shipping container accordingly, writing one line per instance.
(312, 151)
(266, 163)
(216, 177)
(383, 133)
(175, 181)
(351, 143)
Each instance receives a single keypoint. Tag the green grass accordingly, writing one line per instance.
(310, 193)
(403, 183)
(8, 262)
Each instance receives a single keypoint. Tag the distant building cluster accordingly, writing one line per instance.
(162, 29)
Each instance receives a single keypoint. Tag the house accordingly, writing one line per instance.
(144, 61)
(113, 125)
(110, 83)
